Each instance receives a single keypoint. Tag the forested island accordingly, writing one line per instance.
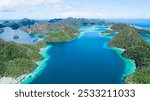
(65, 33)
(108, 32)
(136, 48)
(17, 59)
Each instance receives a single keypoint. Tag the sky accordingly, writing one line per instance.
(48, 9)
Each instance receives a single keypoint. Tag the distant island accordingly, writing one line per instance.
(1, 30)
(20, 59)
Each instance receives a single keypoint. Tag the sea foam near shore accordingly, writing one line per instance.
(130, 66)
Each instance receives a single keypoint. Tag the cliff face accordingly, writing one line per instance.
(26, 22)
(41, 28)
(37, 27)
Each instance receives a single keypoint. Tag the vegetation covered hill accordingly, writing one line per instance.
(137, 49)
(46, 26)
(140, 53)
(108, 32)
(141, 76)
(118, 26)
(127, 37)
(18, 59)
(65, 33)
(115, 27)
(80, 21)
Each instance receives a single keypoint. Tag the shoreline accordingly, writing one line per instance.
(106, 34)
(40, 65)
(27, 78)
(38, 69)
(130, 66)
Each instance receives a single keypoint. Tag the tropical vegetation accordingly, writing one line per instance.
(137, 49)
(18, 59)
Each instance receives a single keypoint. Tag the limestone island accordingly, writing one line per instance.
(20, 59)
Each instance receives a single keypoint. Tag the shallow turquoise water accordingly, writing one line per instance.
(146, 36)
(86, 60)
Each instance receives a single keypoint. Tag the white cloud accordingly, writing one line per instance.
(56, 3)
(5, 4)
(15, 3)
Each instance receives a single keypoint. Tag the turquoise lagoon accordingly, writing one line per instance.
(86, 60)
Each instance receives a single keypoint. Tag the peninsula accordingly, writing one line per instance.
(136, 48)
(18, 59)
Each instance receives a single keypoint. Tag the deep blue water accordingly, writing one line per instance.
(83, 61)
(146, 36)
(86, 60)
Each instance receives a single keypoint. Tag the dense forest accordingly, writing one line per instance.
(137, 49)
(127, 37)
(65, 33)
(118, 26)
(141, 76)
(114, 27)
(18, 59)
(141, 55)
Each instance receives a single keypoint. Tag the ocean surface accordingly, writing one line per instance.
(86, 60)
(24, 38)
(140, 23)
